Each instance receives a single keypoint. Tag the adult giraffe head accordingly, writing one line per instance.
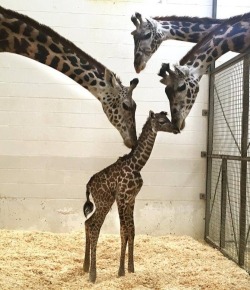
(147, 39)
(119, 106)
(181, 89)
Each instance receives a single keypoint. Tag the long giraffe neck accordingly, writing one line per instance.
(191, 29)
(22, 35)
(141, 153)
(233, 35)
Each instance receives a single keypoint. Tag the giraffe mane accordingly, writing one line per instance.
(201, 20)
(50, 32)
(229, 21)
(118, 79)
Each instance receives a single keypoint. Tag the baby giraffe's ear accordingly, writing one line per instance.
(151, 114)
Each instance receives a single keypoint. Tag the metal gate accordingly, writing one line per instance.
(227, 224)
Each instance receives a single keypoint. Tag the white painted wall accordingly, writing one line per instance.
(54, 135)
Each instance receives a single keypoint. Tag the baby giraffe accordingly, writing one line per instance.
(120, 182)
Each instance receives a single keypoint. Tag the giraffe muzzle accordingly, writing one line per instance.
(176, 130)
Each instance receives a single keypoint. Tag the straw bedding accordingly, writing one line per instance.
(41, 260)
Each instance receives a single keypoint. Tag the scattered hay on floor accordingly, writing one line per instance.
(40, 260)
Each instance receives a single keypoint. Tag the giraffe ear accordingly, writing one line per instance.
(138, 16)
(111, 78)
(135, 21)
(151, 114)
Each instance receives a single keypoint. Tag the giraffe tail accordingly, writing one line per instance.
(88, 206)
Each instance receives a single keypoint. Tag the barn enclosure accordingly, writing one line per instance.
(54, 136)
(228, 176)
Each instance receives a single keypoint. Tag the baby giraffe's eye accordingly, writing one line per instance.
(161, 121)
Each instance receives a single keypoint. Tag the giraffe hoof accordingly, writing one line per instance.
(85, 267)
(92, 277)
(121, 273)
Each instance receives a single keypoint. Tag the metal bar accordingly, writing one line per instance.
(214, 9)
(228, 157)
(209, 151)
(244, 146)
(210, 137)
(223, 204)
(247, 235)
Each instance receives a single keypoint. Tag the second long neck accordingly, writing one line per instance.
(24, 36)
(187, 28)
(143, 149)
(229, 37)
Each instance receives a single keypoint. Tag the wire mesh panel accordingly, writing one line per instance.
(228, 110)
(228, 174)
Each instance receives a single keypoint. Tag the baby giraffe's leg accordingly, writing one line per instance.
(95, 223)
(124, 240)
(127, 233)
(87, 249)
(131, 235)
(125, 203)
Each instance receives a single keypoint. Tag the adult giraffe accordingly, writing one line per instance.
(24, 36)
(151, 32)
(182, 84)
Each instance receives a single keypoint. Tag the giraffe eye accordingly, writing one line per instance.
(125, 107)
(146, 36)
(181, 88)
(161, 121)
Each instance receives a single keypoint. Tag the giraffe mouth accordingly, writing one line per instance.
(139, 65)
(138, 69)
(176, 131)
(178, 126)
